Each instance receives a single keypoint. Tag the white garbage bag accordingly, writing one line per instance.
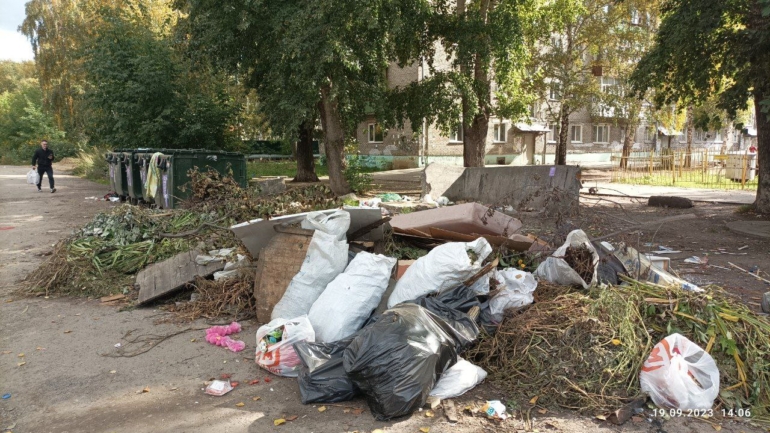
(518, 287)
(336, 223)
(556, 270)
(445, 267)
(275, 345)
(349, 299)
(327, 256)
(458, 379)
(680, 375)
(33, 177)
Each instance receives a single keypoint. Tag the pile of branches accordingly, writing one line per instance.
(215, 193)
(579, 258)
(228, 297)
(584, 350)
(98, 259)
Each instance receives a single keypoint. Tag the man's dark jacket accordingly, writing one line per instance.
(41, 157)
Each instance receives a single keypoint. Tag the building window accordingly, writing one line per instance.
(649, 134)
(601, 133)
(456, 135)
(554, 91)
(533, 111)
(608, 84)
(375, 133)
(576, 133)
(634, 18)
(718, 136)
(500, 133)
(553, 133)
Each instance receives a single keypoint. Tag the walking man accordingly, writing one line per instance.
(42, 160)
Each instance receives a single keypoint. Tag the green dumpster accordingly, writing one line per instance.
(136, 162)
(174, 169)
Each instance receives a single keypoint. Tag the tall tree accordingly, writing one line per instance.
(724, 53)
(325, 58)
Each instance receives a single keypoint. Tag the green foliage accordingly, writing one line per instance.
(92, 165)
(23, 123)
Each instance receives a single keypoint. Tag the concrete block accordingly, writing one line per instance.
(533, 187)
(270, 186)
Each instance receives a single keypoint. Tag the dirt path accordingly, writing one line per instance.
(58, 356)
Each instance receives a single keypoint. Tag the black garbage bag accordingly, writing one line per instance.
(322, 377)
(397, 360)
(451, 306)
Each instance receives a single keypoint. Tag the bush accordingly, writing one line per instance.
(92, 165)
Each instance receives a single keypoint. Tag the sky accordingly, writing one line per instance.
(13, 45)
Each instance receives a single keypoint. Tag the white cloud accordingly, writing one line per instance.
(14, 46)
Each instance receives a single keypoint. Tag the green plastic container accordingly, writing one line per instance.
(174, 170)
(136, 162)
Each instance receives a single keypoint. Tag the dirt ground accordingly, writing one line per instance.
(59, 363)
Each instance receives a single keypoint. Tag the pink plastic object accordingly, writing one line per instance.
(218, 336)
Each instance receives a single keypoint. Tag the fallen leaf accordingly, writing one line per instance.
(346, 410)
(20, 364)
(357, 411)
(279, 421)
(113, 371)
(39, 348)
(534, 399)
(322, 409)
(292, 418)
(68, 331)
(542, 411)
(424, 429)
(268, 380)
(429, 414)
(602, 417)
(193, 340)
(256, 398)
(616, 342)
(637, 418)
(5, 352)
(146, 389)
(241, 404)
(717, 427)
(225, 376)
(254, 382)
(21, 355)
(234, 384)
(174, 388)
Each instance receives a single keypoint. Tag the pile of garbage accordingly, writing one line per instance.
(608, 326)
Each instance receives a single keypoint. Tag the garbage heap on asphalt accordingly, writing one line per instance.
(594, 327)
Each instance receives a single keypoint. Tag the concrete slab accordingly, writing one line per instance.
(541, 187)
(757, 229)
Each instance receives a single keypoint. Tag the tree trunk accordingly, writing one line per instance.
(628, 143)
(727, 141)
(762, 203)
(475, 141)
(475, 132)
(334, 141)
(304, 154)
(689, 131)
(561, 147)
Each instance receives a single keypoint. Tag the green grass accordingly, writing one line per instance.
(688, 180)
(288, 168)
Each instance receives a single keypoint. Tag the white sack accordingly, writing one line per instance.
(350, 298)
(327, 256)
(444, 268)
(458, 379)
(556, 270)
(518, 287)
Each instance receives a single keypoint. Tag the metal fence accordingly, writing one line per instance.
(699, 168)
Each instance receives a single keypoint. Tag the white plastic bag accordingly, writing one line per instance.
(275, 350)
(517, 292)
(33, 177)
(336, 223)
(556, 270)
(350, 298)
(445, 267)
(458, 379)
(678, 374)
(327, 256)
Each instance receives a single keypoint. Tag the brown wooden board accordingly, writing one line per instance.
(172, 274)
(278, 263)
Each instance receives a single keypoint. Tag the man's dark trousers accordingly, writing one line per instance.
(45, 170)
